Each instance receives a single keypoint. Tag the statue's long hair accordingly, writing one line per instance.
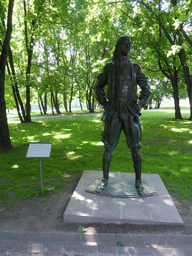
(116, 51)
(116, 57)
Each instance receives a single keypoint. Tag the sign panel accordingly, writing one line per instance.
(39, 150)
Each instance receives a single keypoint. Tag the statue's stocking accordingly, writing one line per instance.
(136, 156)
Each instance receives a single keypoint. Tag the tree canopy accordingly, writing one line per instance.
(58, 48)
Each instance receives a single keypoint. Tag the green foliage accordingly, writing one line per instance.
(160, 89)
(86, 32)
(3, 16)
(81, 229)
(120, 244)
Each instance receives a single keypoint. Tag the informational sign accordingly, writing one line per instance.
(39, 150)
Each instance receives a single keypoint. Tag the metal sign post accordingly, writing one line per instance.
(39, 150)
(41, 175)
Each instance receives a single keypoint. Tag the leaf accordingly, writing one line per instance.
(120, 244)
(81, 229)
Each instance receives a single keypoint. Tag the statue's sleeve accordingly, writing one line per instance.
(142, 81)
(102, 80)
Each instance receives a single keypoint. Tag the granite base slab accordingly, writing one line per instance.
(85, 207)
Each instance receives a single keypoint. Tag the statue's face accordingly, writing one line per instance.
(124, 47)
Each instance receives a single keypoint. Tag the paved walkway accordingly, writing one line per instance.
(91, 243)
(53, 116)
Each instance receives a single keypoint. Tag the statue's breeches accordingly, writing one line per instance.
(114, 122)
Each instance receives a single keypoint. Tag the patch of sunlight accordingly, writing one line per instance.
(174, 48)
(97, 121)
(85, 142)
(188, 122)
(165, 126)
(137, 199)
(43, 123)
(70, 155)
(15, 166)
(168, 201)
(46, 134)
(87, 202)
(31, 137)
(82, 214)
(185, 169)
(66, 176)
(61, 136)
(22, 130)
(97, 143)
(112, 175)
(190, 142)
(176, 174)
(91, 230)
(13, 122)
(121, 203)
(166, 110)
(78, 196)
(179, 130)
(91, 243)
(173, 153)
(160, 249)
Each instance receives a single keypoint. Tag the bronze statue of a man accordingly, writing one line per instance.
(122, 107)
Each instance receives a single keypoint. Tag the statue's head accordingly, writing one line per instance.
(123, 47)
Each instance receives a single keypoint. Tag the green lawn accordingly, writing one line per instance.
(167, 150)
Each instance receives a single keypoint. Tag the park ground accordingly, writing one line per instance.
(167, 150)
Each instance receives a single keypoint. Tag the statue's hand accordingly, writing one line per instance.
(141, 103)
(108, 106)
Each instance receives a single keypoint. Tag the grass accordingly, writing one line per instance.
(167, 150)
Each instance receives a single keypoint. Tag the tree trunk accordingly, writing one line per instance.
(43, 105)
(5, 142)
(28, 106)
(52, 103)
(80, 103)
(174, 82)
(90, 96)
(182, 56)
(15, 88)
(56, 103)
(93, 104)
(39, 103)
(15, 96)
(65, 101)
(29, 48)
(71, 98)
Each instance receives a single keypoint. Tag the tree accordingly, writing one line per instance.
(171, 23)
(160, 89)
(59, 48)
(28, 22)
(5, 142)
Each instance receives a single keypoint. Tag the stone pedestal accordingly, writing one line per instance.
(85, 207)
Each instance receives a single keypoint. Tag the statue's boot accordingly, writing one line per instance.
(104, 182)
(136, 156)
